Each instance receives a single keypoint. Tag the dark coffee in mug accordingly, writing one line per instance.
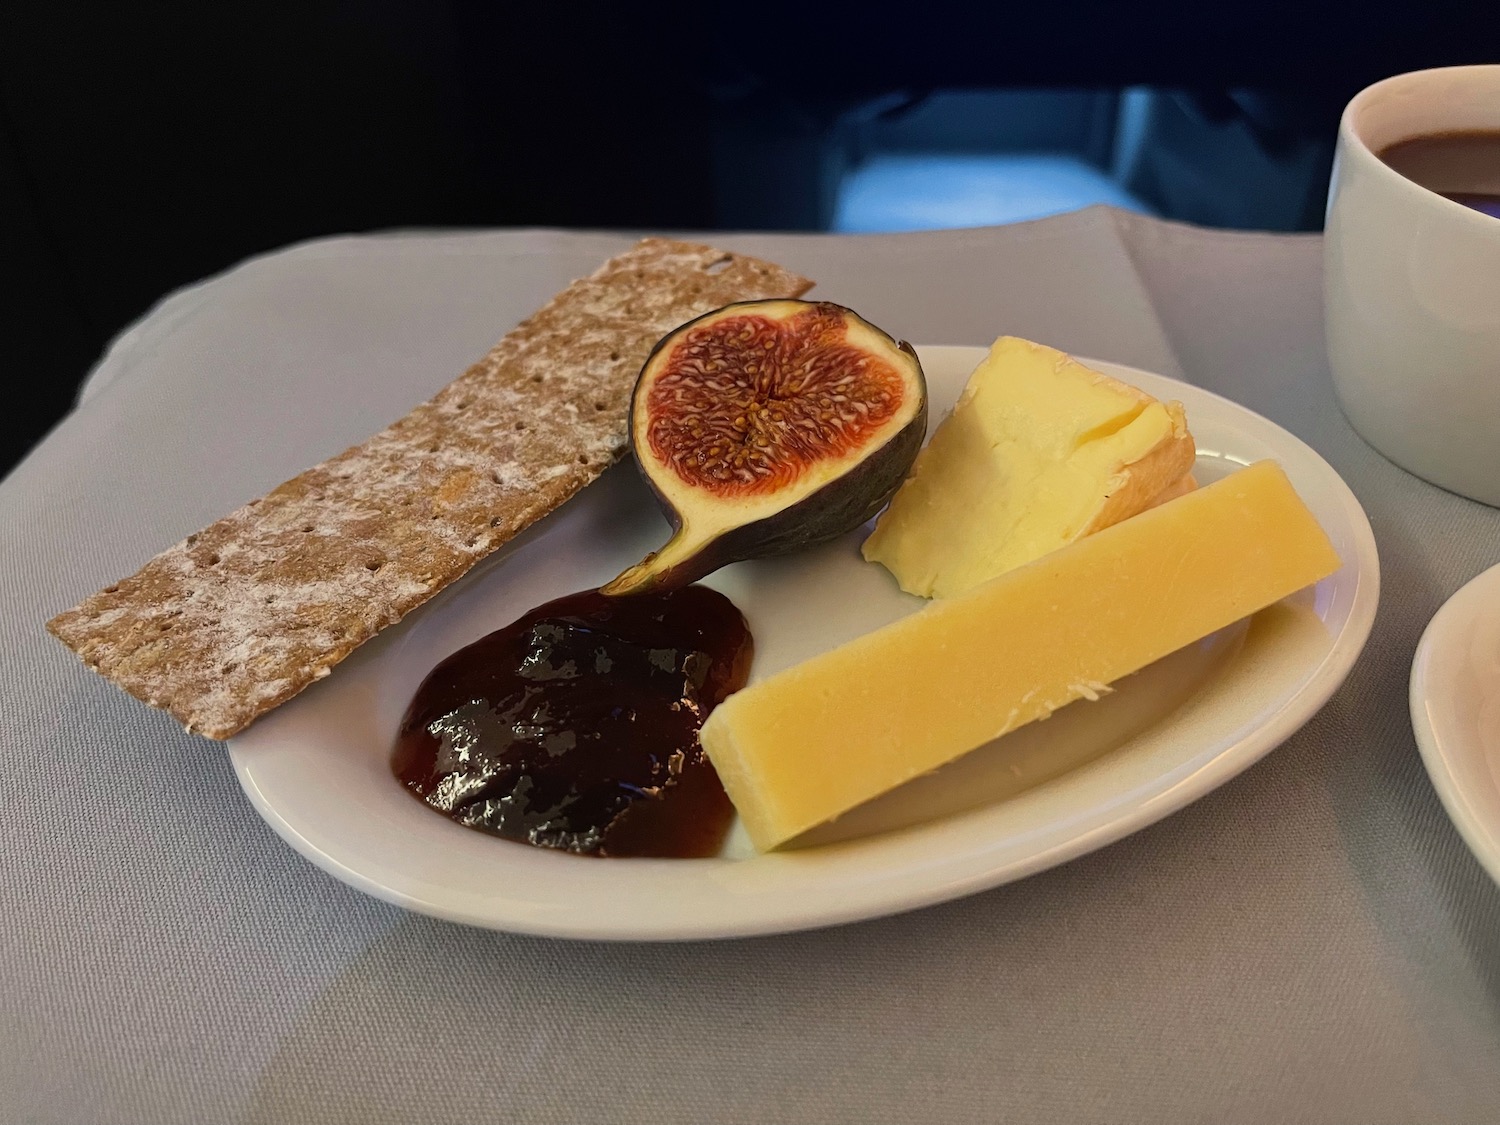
(1464, 166)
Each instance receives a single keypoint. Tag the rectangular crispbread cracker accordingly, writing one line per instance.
(244, 614)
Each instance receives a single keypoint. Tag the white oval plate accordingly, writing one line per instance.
(317, 769)
(1455, 712)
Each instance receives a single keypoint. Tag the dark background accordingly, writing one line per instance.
(143, 147)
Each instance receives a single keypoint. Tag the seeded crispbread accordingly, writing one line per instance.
(244, 614)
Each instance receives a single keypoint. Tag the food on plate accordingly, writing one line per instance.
(762, 427)
(813, 741)
(244, 614)
(768, 427)
(1039, 451)
(576, 727)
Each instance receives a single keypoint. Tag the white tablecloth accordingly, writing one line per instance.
(1310, 943)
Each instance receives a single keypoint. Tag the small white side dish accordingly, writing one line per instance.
(1455, 712)
(318, 768)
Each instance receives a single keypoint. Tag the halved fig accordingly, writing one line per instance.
(770, 426)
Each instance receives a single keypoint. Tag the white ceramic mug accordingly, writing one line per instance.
(1411, 284)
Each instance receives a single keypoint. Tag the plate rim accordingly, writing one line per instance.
(1482, 839)
(1171, 793)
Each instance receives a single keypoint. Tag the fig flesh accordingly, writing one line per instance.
(766, 427)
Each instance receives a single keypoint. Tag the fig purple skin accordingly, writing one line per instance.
(832, 374)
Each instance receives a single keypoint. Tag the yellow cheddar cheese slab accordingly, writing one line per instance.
(813, 741)
(1040, 450)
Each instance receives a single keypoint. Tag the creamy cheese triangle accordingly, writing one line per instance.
(1039, 451)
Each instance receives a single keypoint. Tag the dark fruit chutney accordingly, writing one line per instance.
(576, 727)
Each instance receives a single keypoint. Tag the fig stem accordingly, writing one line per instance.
(665, 569)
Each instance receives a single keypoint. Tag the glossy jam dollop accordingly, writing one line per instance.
(576, 727)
